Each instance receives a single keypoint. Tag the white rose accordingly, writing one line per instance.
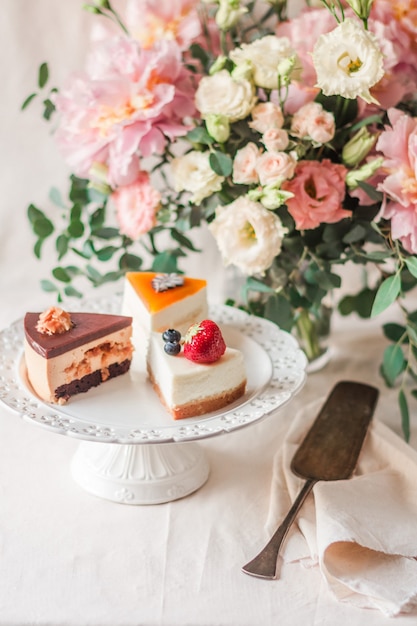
(220, 93)
(248, 235)
(192, 172)
(348, 61)
(266, 55)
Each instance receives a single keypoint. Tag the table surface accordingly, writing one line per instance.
(69, 558)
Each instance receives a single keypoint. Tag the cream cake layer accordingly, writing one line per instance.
(190, 389)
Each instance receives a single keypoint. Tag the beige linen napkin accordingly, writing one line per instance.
(361, 532)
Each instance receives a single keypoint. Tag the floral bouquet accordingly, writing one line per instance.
(293, 140)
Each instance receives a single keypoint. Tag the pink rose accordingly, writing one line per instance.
(275, 167)
(311, 120)
(266, 115)
(136, 206)
(399, 146)
(319, 190)
(275, 139)
(244, 165)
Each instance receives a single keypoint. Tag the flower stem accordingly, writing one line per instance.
(307, 332)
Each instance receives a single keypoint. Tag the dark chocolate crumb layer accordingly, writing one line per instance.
(94, 379)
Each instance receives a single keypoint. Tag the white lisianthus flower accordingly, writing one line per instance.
(266, 56)
(348, 61)
(221, 93)
(192, 172)
(248, 235)
(229, 13)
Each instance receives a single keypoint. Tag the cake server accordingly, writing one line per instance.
(329, 451)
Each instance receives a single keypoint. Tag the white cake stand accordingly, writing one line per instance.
(132, 451)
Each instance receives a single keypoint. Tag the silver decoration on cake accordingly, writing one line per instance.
(163, 282)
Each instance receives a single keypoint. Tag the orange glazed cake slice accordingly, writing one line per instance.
(159, 301)
(67, 354)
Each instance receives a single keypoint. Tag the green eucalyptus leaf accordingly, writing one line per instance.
(79, 190)
(405, 414)
(411, 263)
(34, 213)
(97, 218)
(48, 285)
(376, 196)
(28, 100)
(73, 270)
(165, 262)
(112, 277)
(412, 334)
(256, 285)
(72, 292)
(395, 332)
(183, 240)
(393, 363)
(56, 197)
(327, 280)
(279, 311)
(221, 163)
(106, 232)
(93, 274)
(49, 108)
(377, 255)
(43, 227)
(76, 229)
(61, 246)
(43, 75)
(199, 135)
(37, 248)
(106, 253)
(356, 233)
(61, 274)
(388, 292)
(130, 262)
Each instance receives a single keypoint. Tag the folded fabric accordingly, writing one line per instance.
(360, 532)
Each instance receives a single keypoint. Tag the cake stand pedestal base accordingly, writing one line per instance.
(140, 474)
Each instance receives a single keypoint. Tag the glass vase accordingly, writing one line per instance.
(312, 331)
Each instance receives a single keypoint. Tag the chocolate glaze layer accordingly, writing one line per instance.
(87, 327)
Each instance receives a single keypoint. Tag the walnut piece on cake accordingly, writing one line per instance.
(54, 321)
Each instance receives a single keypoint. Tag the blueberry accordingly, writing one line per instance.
(171, 335)
(172, 347)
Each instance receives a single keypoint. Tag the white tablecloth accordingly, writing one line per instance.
(69, 558)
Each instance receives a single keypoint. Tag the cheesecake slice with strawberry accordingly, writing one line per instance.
(195, 374)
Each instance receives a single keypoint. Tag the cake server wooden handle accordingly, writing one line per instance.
(265, 564)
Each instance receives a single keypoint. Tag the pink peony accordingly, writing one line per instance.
(136, 206)
(128, 104)
(319, 190)
(399, 147)
(303, 32)
(149, 21)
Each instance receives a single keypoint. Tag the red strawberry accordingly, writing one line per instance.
(204, 343)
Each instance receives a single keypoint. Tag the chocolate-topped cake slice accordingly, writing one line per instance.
(67, 354)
